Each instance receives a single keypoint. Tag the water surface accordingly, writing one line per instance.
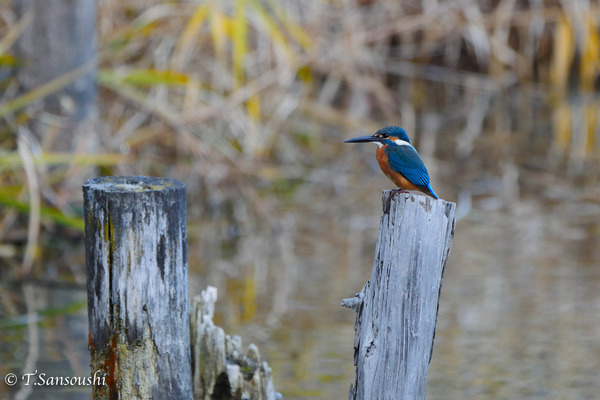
(519, 312)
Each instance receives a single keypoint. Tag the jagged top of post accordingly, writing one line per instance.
(389, 195)
(124, 184)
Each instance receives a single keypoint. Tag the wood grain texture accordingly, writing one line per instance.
(397, 308)
(138, 301)
(221, 371)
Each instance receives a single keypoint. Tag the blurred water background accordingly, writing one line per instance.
(247, 102)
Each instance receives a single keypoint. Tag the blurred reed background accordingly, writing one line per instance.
(247, 103)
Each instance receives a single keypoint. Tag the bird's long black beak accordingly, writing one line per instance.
(362, 139)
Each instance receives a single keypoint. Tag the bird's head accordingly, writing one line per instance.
(388, 135)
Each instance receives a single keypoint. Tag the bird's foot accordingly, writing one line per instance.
(401, 191)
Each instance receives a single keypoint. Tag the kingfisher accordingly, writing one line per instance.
(398, 159)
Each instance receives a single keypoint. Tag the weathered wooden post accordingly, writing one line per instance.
(138, 301)
(397, 309)
(221, 371)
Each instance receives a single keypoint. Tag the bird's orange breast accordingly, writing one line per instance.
(394, 176)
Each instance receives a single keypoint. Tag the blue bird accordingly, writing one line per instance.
(398, 159)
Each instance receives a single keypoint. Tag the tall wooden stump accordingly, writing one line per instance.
(137, 287)
(397, 309)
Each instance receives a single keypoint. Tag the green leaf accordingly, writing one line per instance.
(41, 315)
(12, 161)
(144, 77)
(47, 212)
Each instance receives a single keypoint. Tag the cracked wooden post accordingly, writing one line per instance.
(221, 371)
(138, 305)
(397, 309)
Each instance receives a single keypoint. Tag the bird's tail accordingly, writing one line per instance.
(431, 192)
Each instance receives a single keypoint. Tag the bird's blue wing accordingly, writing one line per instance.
(406, 160)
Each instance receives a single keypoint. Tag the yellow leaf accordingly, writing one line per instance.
(253, 108)
(240, 45)
(273, 31)
(564, 49)
(7, 60)
(152, 77)
(294, 29)
(305, 74)
(562, 126)
(592, 126)
(218, 32)
(249, 298)
(590, 57)
(186, 40)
